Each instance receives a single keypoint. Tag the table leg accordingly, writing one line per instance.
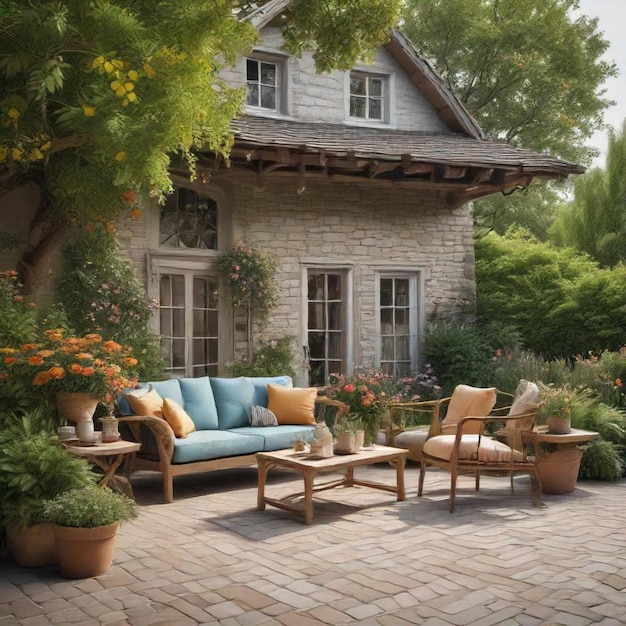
(262, 473)
(400, 461)
(309, 477)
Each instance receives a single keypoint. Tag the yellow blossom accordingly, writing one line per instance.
(132, 75)
(120, 156)
(16, 154)
(149, 70)
(98, 62)
(13, 113)
(88, 110)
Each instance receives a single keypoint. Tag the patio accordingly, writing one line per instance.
(212, 558)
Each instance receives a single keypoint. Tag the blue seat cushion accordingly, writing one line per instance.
(199, 402)
(259, 383)
(233, 398)
(206, 445)
(277, 437)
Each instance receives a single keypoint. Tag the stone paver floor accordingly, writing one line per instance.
(212, 558)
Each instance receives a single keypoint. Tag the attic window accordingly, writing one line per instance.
(368, 96)
(263, 78)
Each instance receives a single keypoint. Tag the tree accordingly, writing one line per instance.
(595, 220)
(98, 98)
(527, 70)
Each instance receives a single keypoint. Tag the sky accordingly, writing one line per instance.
(611, 16)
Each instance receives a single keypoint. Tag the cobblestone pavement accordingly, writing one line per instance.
(212, 558)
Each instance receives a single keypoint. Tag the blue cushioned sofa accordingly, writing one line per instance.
(220, 410)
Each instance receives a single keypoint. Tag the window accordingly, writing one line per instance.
(326, 327)
(189, 323)
(397, 318)
(188, 220)
(263, 80)
(367, 96)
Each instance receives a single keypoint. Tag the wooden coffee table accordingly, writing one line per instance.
(310, 468)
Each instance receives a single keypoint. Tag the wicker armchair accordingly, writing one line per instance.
(472, 449)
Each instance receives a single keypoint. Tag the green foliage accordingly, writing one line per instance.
(601, 461)
(250, 275)
(272, 358)
(33, 468)
(18, 317)
(542, 292)
(100, 293)
(595, 222)
(527, 70)
(511, 366)
(458, 353)
(89, 507)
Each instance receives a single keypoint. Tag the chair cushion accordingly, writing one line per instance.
(150, 403)
(206, 445)
(292, 406)
(233, 398)
(177, 418)
(490, 450)
(279, 437)
(413, 440)
(468, 401)
(169, 389)
(199, 402)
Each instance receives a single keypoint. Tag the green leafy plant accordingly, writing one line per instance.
(18, 316)
(35, 467)
(273, 358)
(89, 507)
(250, 277)
(601, 461)
(100, 294)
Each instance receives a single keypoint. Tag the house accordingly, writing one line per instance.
(359, 184)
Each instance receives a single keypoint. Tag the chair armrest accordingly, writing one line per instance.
(399, 411)
(160, 429)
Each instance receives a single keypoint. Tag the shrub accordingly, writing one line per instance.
(100, 294)
(601, 461)
(273, 358)
(18, 316)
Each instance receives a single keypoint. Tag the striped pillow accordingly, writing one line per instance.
(260, 416)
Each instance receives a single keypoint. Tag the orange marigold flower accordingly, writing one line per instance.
(3, 375)
(75, 368)
(130, 361)
(54, 335)
(618, 382)
(129, 196)
(41, 378)
(93, 338)
(28, 346)
(9, 359)
(135, 213)
(83, 356)
(35, 360)
(88, 371)
(111, 346)
(56, 373)
(45, 353)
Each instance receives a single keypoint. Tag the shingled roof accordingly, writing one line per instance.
(463, 162)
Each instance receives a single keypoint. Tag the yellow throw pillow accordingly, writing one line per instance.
(177, 418)
(149, 403)
(292, 405)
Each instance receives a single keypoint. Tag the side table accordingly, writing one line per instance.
(109, 457)
(558, 470)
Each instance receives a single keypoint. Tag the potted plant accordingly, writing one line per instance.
(349, 433)
(85, 523)
(556, 408)
(34, 467)
(79, 371)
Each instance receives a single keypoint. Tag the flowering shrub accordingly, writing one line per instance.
(78, 364)
(423, 386)
(18, 318)
(249, 275)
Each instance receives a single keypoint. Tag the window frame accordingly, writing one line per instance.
(347, 273)
(416, 311)
(280, 63)
(385, 97)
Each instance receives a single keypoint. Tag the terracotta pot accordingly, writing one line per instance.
(85, 552)
(31, 546)
(559, 425)
(79, 408)
(558, 470)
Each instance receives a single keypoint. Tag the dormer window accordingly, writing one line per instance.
(368, 97)
(263, 78)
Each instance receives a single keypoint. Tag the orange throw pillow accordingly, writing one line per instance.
(149, 403)
(292, 405)
(177, 418)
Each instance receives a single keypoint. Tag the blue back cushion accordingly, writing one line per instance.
(169, 389)
(260, 387)
(199, 402)
(233, 398)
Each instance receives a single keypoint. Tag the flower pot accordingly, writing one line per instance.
(558, 470)
(31, 546)
(78, 407)
(559, 425)
(360, 439)
(85, 552)
(346, 441)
